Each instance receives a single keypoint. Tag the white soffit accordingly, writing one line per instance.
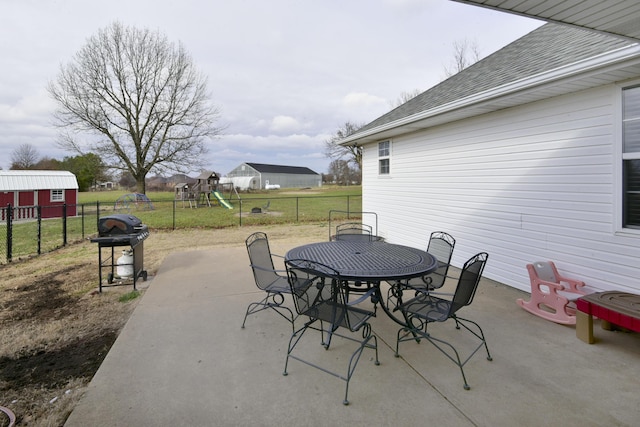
(616, 17)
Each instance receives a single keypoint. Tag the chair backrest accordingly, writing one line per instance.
(318, 292)
(545, 270)
(468, 283)
(369, 218)
(354, 231)
(441, 246)
(261, 261)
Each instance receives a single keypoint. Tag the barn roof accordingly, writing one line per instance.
(25, 180)
(297, 170)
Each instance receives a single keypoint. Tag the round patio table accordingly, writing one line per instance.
(370, 262)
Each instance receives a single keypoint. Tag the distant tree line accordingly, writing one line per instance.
(88, 168)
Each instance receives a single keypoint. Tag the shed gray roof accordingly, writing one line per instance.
(293, 170)
(546, 48)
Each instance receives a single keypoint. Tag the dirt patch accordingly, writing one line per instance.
(53, 368)
(56, 329)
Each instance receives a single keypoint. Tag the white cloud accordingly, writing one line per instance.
(363, 100)
(277, 70)
(284, 124)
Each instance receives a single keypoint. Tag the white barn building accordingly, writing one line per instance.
(263, 176)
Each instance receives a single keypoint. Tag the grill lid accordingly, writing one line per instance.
(119, 224)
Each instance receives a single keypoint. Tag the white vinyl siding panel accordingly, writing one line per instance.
(530, 183)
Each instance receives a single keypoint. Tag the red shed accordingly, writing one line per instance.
(25, 189)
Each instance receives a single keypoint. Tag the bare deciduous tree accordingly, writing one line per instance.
(335, 151)
(465, 53)
(24, 157)
(344, 173)
(141, 96)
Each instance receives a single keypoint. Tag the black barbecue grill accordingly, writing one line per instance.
(117, 231)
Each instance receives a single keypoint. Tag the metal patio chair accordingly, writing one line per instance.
(441, 246)
(268, 279)
(318, 294)
(428, 307)
(362, 223)
(354, 232)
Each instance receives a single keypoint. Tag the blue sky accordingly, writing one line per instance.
(285, 73)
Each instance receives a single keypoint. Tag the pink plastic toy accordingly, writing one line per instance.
(552, 295)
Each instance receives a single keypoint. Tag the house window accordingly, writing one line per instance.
(384, 157)
(631, 156)
(57, 195)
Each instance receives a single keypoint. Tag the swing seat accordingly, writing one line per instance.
(552, 295)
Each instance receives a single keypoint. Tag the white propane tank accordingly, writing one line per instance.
(125, 264)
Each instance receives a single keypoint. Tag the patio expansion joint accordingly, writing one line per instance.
(433, 387)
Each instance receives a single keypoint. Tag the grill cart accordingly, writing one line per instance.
(121, 231)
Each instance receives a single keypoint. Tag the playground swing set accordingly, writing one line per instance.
(207, 190)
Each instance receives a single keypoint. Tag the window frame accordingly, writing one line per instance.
(386, 158)
(56, 195)
(621, 228)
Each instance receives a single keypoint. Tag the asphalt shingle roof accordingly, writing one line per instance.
(544, 49)
(264, 168)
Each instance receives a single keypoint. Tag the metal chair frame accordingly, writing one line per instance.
(441, 245)
(354, 231)
(268, 279)
(427, 307)
(318, 293)
(371, 216)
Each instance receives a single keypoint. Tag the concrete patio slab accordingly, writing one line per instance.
(182, 359)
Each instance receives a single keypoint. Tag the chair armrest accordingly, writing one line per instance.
(551, 285)
(278, 256)
(574, 285)
(257, 267)
(363, 297)
(446, 294)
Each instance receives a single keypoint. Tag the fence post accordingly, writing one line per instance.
(240, 204)
(174, 214)
(64, 224)
(9, 231)
(82, 219)
(39, 221)
(297, 209)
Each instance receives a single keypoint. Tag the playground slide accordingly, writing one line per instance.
(221, 200)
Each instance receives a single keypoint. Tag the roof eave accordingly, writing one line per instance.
(472, 105)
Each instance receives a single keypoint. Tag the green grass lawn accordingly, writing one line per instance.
(285, 206)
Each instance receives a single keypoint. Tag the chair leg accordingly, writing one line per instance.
(293, 341)
(407, 334)
(264, 304)
(479, 334)
(355, 358)
(353, 361)
(457, 361)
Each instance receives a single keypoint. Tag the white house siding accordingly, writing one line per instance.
(530, 183)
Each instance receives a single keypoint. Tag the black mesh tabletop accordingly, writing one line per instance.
(373, 261)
